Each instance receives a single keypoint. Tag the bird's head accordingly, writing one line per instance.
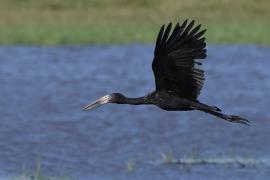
(110, 98)
(117, 98)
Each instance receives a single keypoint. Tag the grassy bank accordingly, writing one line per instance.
(125, 33)
(125, 21)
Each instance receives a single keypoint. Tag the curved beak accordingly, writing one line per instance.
(103, 100)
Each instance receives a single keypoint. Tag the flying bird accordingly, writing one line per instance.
(178, 78)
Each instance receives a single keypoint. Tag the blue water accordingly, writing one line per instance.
(42, 90)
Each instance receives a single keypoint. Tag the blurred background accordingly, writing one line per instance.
(121, 21)
(58, 55)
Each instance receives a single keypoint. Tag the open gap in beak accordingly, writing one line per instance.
(101, 101)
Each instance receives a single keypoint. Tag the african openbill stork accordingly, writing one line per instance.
(177, 76)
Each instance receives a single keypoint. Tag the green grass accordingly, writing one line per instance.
(128, 21)
(226, 32)
(240, 33)
(79, 34)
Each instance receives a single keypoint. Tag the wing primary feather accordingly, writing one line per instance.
(184, 23)
(188, 28)
(166, 34)
(198, 63)
(191, 24)
(174, 33)
(186, 36)
(195, 30)
(198, 71)
(199, 41)
(199, 34)
(180, 30)
(200, 46)
(159, 38)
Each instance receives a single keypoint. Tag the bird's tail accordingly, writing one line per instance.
(217, 112)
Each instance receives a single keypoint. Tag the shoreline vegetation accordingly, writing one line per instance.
(185, 163)
(56, 22)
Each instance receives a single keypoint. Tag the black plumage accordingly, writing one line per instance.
(178, 78)
(174, 61)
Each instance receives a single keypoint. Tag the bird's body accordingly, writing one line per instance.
(168, 101)
(177, 76)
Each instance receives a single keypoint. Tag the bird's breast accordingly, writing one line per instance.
(170, 103)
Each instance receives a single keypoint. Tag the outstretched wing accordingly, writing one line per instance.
(174, 61)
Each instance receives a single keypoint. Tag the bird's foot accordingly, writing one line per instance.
(237, 119)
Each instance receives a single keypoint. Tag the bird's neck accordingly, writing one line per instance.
(135, 101)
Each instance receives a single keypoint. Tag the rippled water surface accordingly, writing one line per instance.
(42, 91)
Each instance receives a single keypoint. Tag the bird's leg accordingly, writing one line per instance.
(211, 110)
(216, 108)
(230, 118)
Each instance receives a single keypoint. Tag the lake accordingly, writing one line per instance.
(43, 90)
